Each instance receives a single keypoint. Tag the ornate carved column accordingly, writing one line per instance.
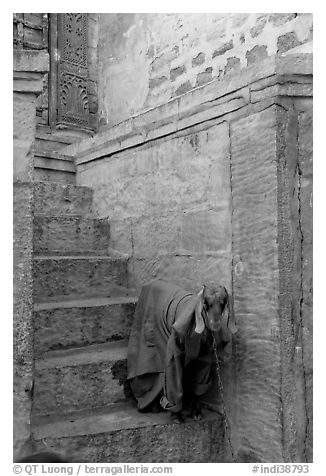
(69, 65)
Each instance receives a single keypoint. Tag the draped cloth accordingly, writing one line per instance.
(166, 357)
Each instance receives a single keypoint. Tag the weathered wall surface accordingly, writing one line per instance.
(223, 191)
(255, 287)
(145, 59)
(169, 207)
(31, 32)
(29, 67)
(22, 315)
(305, 325)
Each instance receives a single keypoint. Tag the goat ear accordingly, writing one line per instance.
(200, 324)
(228, 325)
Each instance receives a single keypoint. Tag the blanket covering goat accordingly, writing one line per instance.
(164, 350)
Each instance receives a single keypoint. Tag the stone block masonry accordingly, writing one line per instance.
(216, 185)
(255, 284)
(157, 56)
(174, 201)
(29, 68)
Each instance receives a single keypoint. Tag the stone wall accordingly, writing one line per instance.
(145, 59)
(169, 206)
(31, 32)
(217, 185)
(29, 67)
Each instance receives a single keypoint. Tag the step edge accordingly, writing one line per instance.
(66, 168)
(39, 215)
(80, 188)
(112, 351)
(139, 420)
(53, 154)
(77, 257)
(92, 302)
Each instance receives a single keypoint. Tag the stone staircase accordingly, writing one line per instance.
(50, 161)
(82, 405)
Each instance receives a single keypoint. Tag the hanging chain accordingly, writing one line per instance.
(227, 425)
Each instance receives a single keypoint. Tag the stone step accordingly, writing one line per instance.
(50, 141)
(55, 199)
(127, 436)
(81, 378)
(65, 235)
(55, 167)
(54, 160)
(83, 276)
(77, 323)
(54, 176)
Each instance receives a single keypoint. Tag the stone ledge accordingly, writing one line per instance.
(126, 435)
(29, 67)
(210, 101)
(31, 61)
(114, 418)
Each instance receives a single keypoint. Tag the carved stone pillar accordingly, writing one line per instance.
(69, 70)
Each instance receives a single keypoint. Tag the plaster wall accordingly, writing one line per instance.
(145, 59)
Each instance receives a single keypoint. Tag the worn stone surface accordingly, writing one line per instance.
(305, 143)
(30, 61)
(22, 314)
(188, 240)
(53, 175)
(183, 88)
(290, 257)
(287, 41)
(176, 193)
(54, 199)
(24, 125)
(204, 77)
(56, 276)
(149, 439)
(117, 32)
(198, 60)
(81, 323)
(190, 272)
(259, 26)
(223, 49)
(257, 416)
(80, 378)
(139, 56)
(232, 64)
(175, 72)
(70, 235)
(46, 142)
(28, 68)
(212, 100)
(53, 161)
(185, 193)
(21, 416)
(257, 53)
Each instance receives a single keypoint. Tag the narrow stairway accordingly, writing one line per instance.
(83, 310)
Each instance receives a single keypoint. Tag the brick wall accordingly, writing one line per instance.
(147, 59)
